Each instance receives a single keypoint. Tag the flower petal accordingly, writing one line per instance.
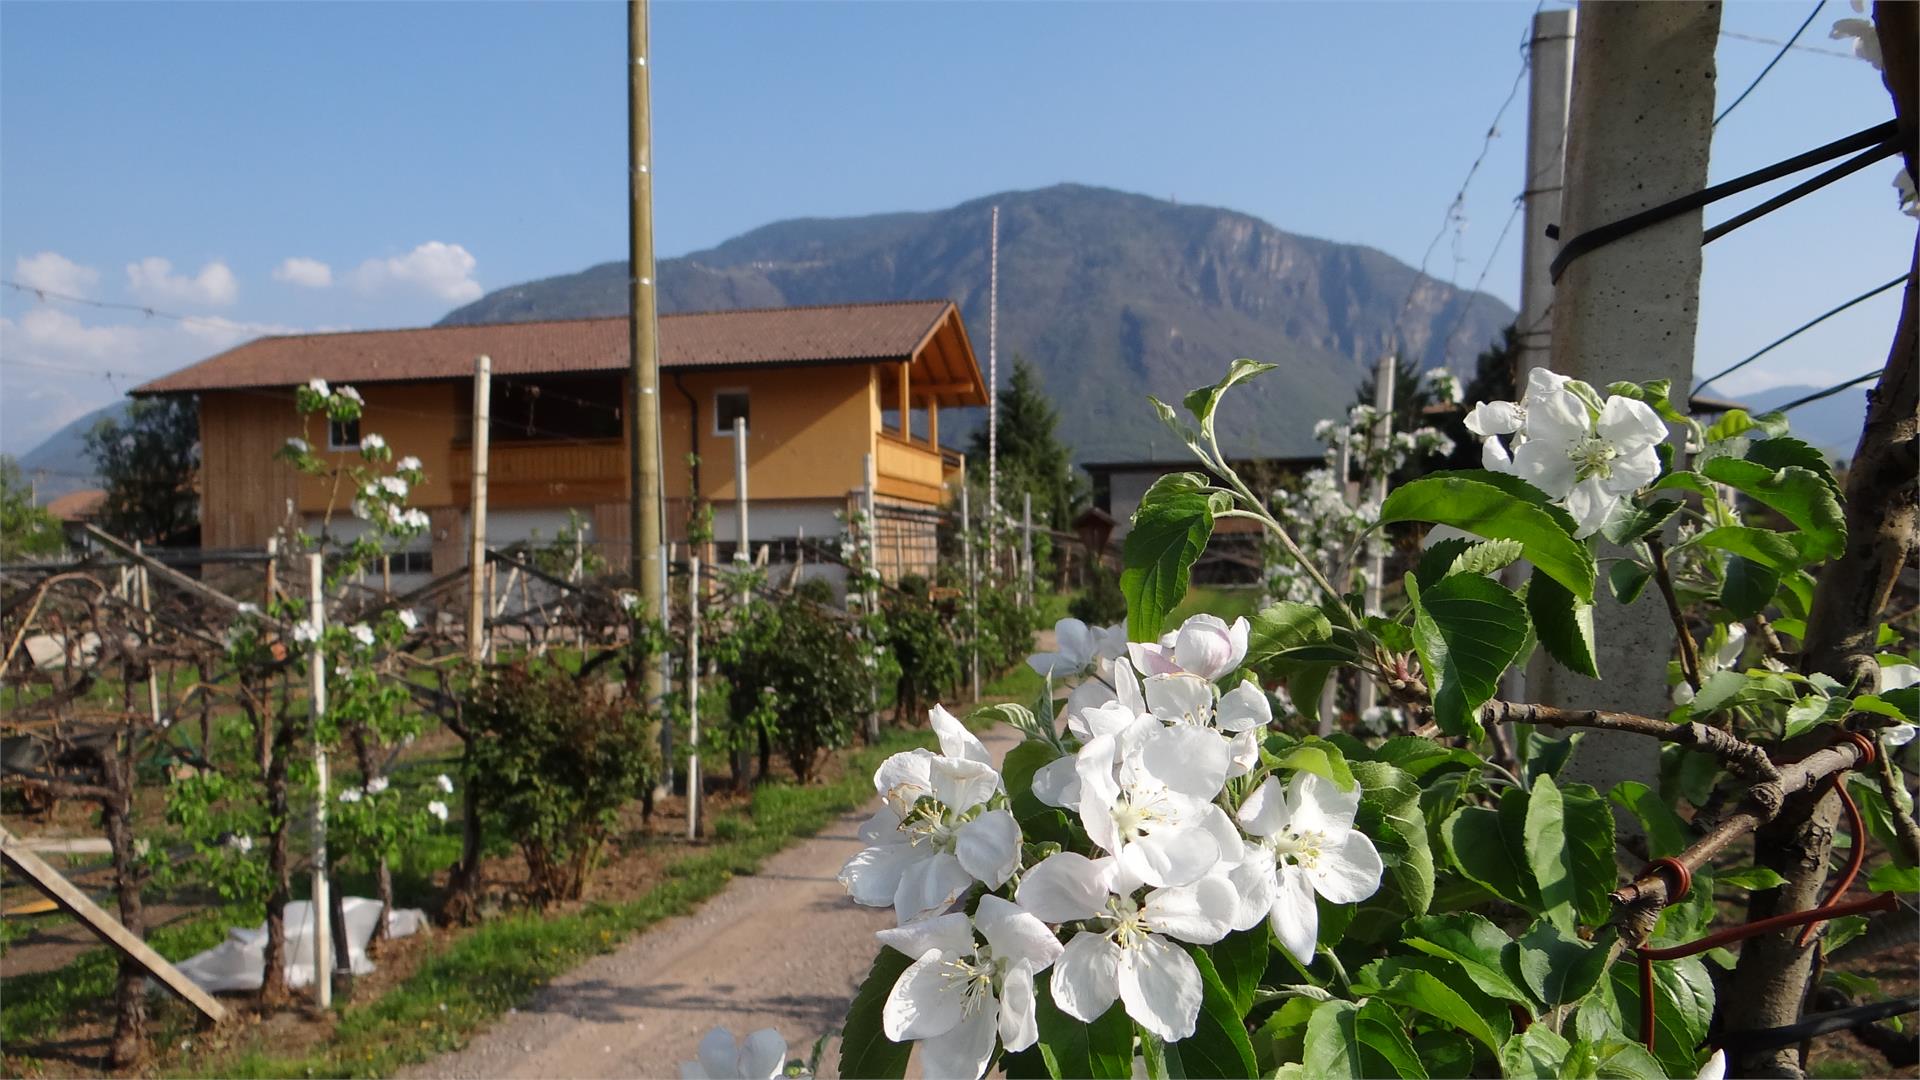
(1202, 912)
(924, 1002)
(1151, 659)
(883, 827)
(1254, 882)
(763, 1055)
(1057, 783)
(928, 885)
(1314, 803)
(1074, 641)
(1590, 504)
(1494, 418)
(1264, 812)
(1019, 1012)
(872, 876)
(1349, 873)
(1190, 760)
(962, 1053)
(1220, 827)
(1086, 980)
(718, 1054)
(1161, 986)
(989, 847)
(1494, 456)
(1065, 886)
(1630, 425)
(1176, 856)
(1016, 934)
(1244, 708)
(1243, 752)
(950, 933)
(905, 777)
(1179, 698)
(955, 740)
(963, 784)
(1295, 919)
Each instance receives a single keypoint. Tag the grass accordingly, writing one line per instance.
(1227, 602)
(502, 962)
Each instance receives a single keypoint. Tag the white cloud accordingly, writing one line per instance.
(442, 270)
(153, 279)
(54, 272)
(53, 335)
(310, 273)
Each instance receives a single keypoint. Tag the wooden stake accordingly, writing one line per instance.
(322, 921)
(477, 514)
(693, 698)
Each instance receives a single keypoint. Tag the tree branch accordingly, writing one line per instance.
(1742, 758)
(1689, 652)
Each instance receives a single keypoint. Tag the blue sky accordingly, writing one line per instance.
(412, 155)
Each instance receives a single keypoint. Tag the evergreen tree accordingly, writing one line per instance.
(1032, 458)
(1493, 380)
(147, 466)
(1411, 394)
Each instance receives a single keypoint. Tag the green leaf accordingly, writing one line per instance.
(1365, 1041)
(1799, 495)
(1320, 757)
(1282, 626)
(1751, 878)
(1486, 557)
(1890, 878)
(1467, 630)
(1445, 1053)
(1666, 833)
(1332, 1050)
(1640, 522)
(1240, 958)
(1021, 762)
(1478, 946)
(1613, 1060)
(1628, 579)
(1563, 623)
(1682, 1007)
(1764, 546)
(1720, 688)
(1390, 814)
(1781, 451)
(1102, 1049)
(1438, 559)
(1749, 587)
(1202, 402)
(1219, 1044)
(1534, 1053)
(1495, 507)
(1558, 967)
(1428, 993)
(1303, 687)
(1479, 844)
(865, 1049)
(1170, 531)
(1569, 847)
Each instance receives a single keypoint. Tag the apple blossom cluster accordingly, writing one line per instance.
(1182, 834)
(762, 1055)
(1587, 454)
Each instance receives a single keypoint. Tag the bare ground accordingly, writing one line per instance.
(784, 948)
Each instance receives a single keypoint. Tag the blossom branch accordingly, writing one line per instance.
(1689, 652)
(1746, 760)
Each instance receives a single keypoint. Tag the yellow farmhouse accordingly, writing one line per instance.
(820, 388)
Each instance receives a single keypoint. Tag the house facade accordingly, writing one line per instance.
(820, 389)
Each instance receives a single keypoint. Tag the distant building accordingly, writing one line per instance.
(1233, 555)
(74, 511)
(820, 389)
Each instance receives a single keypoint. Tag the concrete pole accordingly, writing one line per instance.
(644, 511)
(1380, 440)
(693, 697)
(966, 558)
(993, 376)
(1550, 87)
(477, 514)
(319, 904)
(1638, 133)
(1026, 542)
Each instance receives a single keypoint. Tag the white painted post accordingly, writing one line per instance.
(740, 486)
(872, 592)
(993, 376)
(1383, 392)
(693, 696)
(1639, 129)
(966, 558)
(320, 905)
(145, 585)
(664, 671)
(477, 514)
(1026, 541)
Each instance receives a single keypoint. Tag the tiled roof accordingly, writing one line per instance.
(839, 333)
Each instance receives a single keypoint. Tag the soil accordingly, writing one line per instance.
(784, 948)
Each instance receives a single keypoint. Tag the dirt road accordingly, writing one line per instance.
(784, 948)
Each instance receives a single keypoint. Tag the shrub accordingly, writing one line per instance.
(807, 663)
(554, 759)
(1102, 604)
(920, 637)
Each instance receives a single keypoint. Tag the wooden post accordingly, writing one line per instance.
(142, 582)
(477, 514)
(966, 558)
(1026, 542)
(76, 903)
(1380, 441)
(740, 487)
(645, 527)
(871, 588)
(320, 906)
(693, 697)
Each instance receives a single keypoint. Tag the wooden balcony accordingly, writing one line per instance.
(571, 473)
(909, 470)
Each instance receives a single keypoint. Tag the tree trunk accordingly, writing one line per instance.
(382, 872)
(130, 998)
(273, 985)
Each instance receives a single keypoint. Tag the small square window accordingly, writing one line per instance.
(343, 434)
(728, 405)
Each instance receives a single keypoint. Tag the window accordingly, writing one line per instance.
(343, 434)
(554, 407)
(410, 562)
(728, 404)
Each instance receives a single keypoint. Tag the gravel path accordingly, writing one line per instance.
(784, 948)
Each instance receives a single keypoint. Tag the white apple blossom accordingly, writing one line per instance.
(935, 833)
(443, 783)
(304, 633)
(370, 442)
(408, 619)
(394, 486)
(240, 842)
(363, 634)
(1909, 198)
(351, 795)
(1076, 646)
(1446, 385)
(437, 809)
(961, 991)
(1125, 952)
(1303, 843)
(1866, 38)
(377, 785)
(760, 1056)
(1715, 1068)
(1723, 658)
(415, 519)
(408, 464)
(299, 445)
(1588, 463)
(1205, 645)
(351, 394)
(319, 386)
(1146, 797)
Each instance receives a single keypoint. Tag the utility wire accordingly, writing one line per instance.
(214, 321)
(1758, 40)
(1798, 330)
(1830, 391)
(1811, 15)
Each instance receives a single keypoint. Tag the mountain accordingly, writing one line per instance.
(1112, 296)
(60, 464)
(1833, 424)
